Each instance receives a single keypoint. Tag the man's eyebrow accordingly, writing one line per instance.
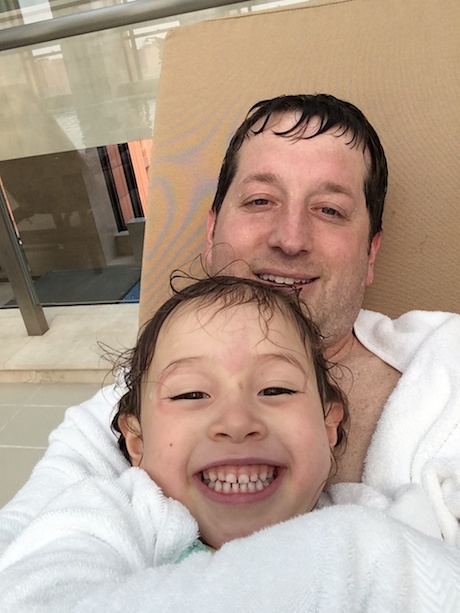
(328, 187)
(262, 177)
(331, 187)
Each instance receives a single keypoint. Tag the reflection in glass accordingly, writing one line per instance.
(81, 212)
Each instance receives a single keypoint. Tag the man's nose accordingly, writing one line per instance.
(237, 421)
(292, 232)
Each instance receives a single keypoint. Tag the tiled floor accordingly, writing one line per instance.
(41, 376)
(28, 413)
(72, 349)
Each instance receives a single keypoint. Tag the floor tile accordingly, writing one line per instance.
(7, 412)
(17, 393)
(63, 395)
(73, 340)
(17, 464)
(31, 426)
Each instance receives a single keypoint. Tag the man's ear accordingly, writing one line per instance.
(210, 225)
(131, 430)
(373, 250)
(334, 415)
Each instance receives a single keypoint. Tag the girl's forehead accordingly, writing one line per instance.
(237, 338)
(247, 318)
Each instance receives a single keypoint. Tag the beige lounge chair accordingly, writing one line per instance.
(398, 60)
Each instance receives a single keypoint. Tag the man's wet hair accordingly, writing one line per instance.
(332, 113)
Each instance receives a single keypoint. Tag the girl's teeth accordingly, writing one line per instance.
(227, 480)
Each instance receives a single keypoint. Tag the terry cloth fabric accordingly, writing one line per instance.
(417, 439)
(125, 524)
(105, 546)
(342, 558)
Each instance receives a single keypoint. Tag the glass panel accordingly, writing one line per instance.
(72, 213)
(76, 124)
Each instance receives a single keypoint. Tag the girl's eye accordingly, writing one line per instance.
(276, 391)
(190, 396)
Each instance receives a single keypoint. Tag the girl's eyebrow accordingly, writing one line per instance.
(175, 364)
(287, 357)
(277, 356)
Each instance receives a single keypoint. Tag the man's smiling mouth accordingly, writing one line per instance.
(285, 280)
(239, 479)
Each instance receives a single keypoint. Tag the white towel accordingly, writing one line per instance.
(82, 446)
(96, 530)
(343, 558)
(417, 439)
(109, 549)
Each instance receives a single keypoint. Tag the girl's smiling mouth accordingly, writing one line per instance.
(241, 479)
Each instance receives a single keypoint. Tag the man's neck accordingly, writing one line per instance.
(340, 352)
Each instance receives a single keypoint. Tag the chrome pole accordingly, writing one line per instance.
(14, 264)
(101, 19)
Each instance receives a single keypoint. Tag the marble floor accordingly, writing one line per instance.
(28, 413)
(41, 376)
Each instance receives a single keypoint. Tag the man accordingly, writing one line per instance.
(310, 196)
(299, 202)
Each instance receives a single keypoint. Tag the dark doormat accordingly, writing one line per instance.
(85, 286)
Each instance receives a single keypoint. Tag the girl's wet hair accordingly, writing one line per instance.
(225, 292)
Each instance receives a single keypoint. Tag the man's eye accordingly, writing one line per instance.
(329, 211)
(190, 396)
(258, 202)
(276, 391)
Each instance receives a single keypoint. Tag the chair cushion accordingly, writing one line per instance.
(397, 61)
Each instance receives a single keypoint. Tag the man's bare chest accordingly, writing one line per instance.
(368, 382)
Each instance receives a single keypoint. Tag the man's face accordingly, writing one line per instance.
(232, 424)
(296, 213)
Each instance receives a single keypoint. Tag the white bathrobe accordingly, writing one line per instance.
(86, 534)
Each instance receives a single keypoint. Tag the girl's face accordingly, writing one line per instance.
(232, 424)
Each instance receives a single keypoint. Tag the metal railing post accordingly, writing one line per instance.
(96, 20)
(13, 262)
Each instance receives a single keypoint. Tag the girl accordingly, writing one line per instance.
(230, 419)
(230, 406)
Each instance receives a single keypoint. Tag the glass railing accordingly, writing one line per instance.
(77, 121)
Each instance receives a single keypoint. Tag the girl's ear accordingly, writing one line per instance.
(334, 415)
(131, 430)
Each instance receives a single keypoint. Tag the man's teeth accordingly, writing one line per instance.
(241, 479)
(284, 280)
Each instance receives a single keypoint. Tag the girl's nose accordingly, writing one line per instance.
(237, 422)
